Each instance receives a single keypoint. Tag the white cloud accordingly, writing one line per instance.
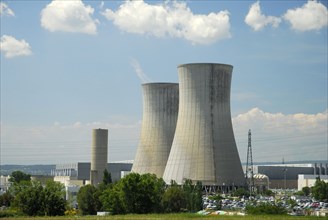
(102, 3)
(257, 20)
(5, 10)
(140, 73)
(68, 16)
(276, 135)
(170, 20)
(13, 47)
(311, 16)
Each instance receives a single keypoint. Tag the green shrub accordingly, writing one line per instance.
(266, 209)
(10, 213)
(71, 212)
(240, 192)
(174, 199)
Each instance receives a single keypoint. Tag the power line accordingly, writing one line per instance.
(249, 165)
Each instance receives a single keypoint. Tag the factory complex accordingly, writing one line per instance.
(187, 133)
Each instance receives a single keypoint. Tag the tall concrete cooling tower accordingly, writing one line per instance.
(204, 147)
(99, 151)
(160, 111)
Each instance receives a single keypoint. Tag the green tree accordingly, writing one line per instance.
(218, 198)
(6, 199)
(101, 187)
(142, 193)
(107, 179)
(87, 202)
(174, 199)
(111, 200)
(33, 199)
(29, 199)
(131, 193)
(306, 190)
(134, 193)
(268, 192)
(18, 176)
(54, 198)
(299, 193)
(156, 196)
(240, 192)
(15, 188)
(193, 193)
(320, 190)
(292, 203)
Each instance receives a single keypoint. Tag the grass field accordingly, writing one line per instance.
(173, 217)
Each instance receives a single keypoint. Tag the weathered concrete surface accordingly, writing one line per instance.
(160, 111)
(99, 151)
(204, 147)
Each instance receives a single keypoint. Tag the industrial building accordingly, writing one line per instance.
(69, 173)
(75, 175)
(286, 176)
(65, 173)
(309, 180)
(4, 184)
(99, 155)
(261, 182)
(204, 147)
(160, 112)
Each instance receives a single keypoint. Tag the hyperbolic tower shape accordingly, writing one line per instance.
(160, 112)
(204, 147)
(99, 151)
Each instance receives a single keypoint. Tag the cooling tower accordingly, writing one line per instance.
(99, 151)
(160, 111)
(204, 147)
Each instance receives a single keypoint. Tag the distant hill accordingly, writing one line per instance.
(46, 169)
(30, 169)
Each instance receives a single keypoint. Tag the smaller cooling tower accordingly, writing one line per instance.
(160, 111)
(99, 149)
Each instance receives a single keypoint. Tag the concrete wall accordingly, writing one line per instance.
(276, 175)
(82, 171)
(99, 154)
(280, 184)
(277, 172)
(64, 179)
(309, 180)
(160, 112)
(116, 169)
(204, 147)
(41, 178)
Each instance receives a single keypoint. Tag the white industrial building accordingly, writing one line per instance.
(309, 180)
(4, 184)
(75, 175)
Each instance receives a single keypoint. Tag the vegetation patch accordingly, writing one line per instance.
(179, 216)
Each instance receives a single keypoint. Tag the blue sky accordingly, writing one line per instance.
(70, 66)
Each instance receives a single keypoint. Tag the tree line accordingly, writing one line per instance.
(135, 193)
(140, 194)
(34, 199)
